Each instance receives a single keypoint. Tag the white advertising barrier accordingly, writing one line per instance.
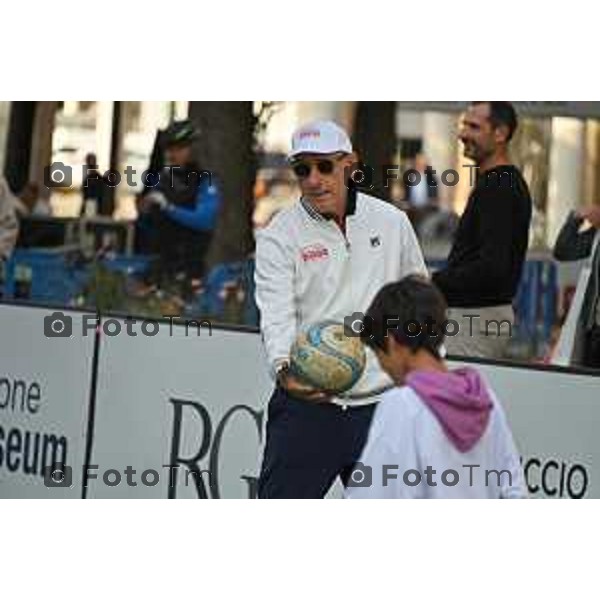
(176, 403)
(554, 417)
(45, 387)
(184, 398)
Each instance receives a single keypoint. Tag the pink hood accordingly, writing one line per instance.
(459, 399)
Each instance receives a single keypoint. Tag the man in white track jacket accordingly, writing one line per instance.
(324, 258)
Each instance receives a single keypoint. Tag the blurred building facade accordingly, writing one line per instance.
(557, 146)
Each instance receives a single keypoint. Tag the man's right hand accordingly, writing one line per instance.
(157, 198)
(300, 390)
(591, 214)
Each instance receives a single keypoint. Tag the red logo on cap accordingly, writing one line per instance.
(310, 133)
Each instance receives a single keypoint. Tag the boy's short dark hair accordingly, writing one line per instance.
(413, 310)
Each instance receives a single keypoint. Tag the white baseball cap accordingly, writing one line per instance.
(320, 137)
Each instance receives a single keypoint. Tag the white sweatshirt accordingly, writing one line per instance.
(308, 271)
(406, 436)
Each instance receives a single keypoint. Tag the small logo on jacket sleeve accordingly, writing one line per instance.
(375, 241)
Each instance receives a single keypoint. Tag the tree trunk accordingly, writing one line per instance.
(374, 139)
(226, 148)
(18, 146)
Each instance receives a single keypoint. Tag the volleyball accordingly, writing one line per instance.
(324, 357)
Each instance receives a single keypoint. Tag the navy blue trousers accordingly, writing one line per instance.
(308, 445)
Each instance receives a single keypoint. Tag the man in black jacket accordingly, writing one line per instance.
(573, 244)
(484, 266)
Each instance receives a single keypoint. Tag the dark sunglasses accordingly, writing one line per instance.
(303, 169)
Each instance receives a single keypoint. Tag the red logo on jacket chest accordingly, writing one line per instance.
(314, 252)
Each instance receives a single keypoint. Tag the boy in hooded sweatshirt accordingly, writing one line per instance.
(441, 433)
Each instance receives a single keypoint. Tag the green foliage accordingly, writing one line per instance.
(105, 289)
